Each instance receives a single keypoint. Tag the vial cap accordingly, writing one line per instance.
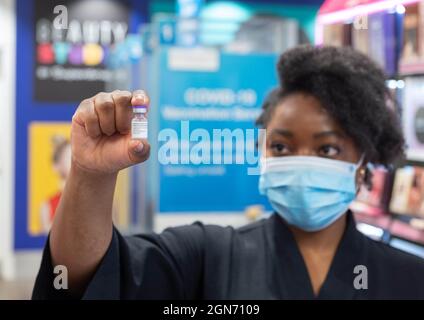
(140, 109)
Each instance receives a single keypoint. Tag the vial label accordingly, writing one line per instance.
(139, 129)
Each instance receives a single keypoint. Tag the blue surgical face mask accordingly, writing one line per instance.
(308, 192)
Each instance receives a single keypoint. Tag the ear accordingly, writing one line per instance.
(361, 174)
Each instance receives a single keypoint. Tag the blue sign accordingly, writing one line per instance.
(188, 9)
(208, 102)
(167, 30)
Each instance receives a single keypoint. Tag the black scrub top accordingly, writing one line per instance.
(257, 261)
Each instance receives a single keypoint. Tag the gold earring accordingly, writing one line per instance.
(362, 173)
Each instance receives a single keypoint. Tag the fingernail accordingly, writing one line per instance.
(140, 96)
(139, 148)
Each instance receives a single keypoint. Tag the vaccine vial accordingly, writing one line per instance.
(139, 122)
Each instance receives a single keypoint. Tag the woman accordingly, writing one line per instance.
(328, 118)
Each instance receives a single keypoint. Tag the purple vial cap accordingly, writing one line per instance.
(140, 109)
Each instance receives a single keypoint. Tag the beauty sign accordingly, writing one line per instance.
(72, 45)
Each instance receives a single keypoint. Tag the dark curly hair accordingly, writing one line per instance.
(352, 88)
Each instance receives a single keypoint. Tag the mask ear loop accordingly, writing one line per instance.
(361, 159)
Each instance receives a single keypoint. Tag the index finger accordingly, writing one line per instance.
(123, 112)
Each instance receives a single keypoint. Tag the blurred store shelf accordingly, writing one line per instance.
(412, 68)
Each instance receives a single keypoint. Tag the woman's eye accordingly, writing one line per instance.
(329, 151)
(279, 148)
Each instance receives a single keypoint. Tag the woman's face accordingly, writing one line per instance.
(300, 126)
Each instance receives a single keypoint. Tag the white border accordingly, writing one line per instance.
(7, 136)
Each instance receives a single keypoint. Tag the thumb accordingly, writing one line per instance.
(138, 150)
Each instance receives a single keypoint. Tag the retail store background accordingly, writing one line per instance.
(37, 107)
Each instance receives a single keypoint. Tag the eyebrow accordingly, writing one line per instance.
(289, 134)
(328, 133)
(282, 132)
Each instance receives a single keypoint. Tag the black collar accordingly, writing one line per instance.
(289, 277)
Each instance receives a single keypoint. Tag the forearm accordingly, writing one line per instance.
(82, 228)
(101, 145)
